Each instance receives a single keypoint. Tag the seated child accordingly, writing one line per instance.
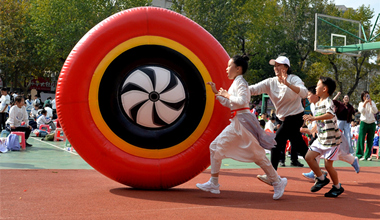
(34, 113)
(43, 120)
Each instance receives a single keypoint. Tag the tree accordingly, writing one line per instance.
(216, 16)
(37, 35)
(60, 24)
(349, 72)
(14, 53)
(375, 85)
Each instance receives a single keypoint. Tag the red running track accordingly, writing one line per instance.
(86, 194)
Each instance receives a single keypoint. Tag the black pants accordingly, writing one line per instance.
(3, 118)
(289, 130)
(24, 129)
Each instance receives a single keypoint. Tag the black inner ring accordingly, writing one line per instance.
(154, 96)
(112, 110)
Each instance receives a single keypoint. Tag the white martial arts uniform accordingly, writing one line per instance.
(243, 139)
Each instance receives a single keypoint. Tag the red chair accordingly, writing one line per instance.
(59, 135)
(288, 147)
(375, 152)
(45, 128)
(22, 138)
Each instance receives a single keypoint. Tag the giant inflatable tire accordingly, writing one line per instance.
(132, 97)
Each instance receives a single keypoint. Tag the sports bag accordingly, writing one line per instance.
(49, 137)
(13, 143)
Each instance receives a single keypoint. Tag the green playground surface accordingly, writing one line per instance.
(54, 155)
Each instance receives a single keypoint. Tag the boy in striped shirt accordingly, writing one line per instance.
(327, 143)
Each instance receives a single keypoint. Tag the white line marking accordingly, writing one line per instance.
(55, 146)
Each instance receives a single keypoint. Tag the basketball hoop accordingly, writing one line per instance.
(326, 53)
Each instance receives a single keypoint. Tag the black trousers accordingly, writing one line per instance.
(289, 130)
(24, 129)
(3, 118)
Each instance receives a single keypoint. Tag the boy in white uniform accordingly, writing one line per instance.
(329, 138)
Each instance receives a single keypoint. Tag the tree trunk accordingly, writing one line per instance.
(336, 73)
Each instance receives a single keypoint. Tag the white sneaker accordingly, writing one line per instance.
(279, 188)
(264, 178)
(209, 187)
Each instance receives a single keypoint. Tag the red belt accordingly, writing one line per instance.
(233, 112)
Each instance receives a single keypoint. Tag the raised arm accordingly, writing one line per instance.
(337, 95)
(260, 88)
(295, 84)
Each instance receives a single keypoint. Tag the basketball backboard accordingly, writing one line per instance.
(332, 34)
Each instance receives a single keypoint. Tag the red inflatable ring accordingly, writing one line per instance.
(132, 97)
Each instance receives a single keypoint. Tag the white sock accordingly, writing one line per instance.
(278, 180)
(214, 180)
(321, 177)
(337, 186)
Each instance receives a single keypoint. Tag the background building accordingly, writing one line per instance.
(162, 3)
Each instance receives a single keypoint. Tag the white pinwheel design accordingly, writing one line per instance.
(153, 97)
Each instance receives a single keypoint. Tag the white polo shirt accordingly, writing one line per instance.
(285, 100)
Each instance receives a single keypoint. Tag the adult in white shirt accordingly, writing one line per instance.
(367, 109)
(17, 115)
(286, 92)
(5, 101)
(49, 111)
(53, 106)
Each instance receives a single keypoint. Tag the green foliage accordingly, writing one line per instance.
(60, 24)
(14, 56)
(36, 36)
(350, 72)
(375, 86)
(219, 17)
(265, 29)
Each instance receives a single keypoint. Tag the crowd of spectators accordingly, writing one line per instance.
(18, 113)
(349, 121)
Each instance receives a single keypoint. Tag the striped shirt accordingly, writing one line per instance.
(328, 131)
